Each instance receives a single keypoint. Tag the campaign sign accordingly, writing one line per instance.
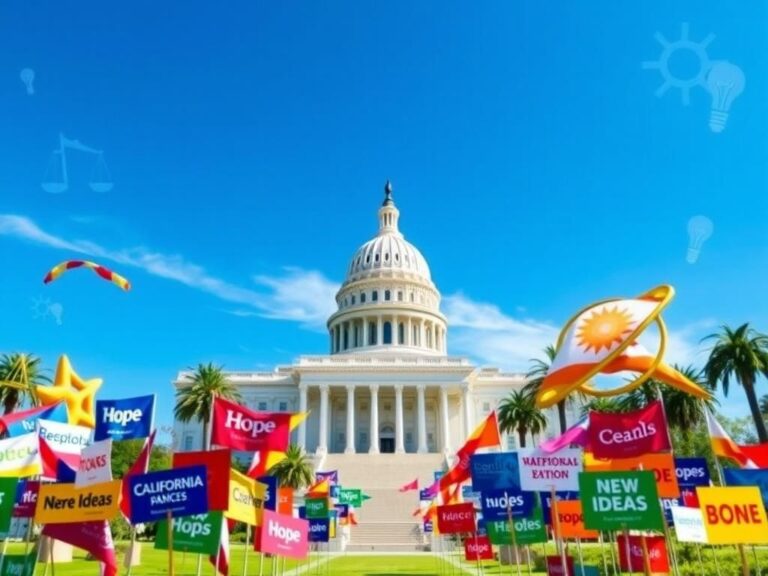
(692, 472)
(342, 510)
(333, 491)
(571, 521)
(734, 515)
(428, 527)
(217, 462)
(529, 530)
(555, 566)
(18, 564)
(20, 456)
(181, 491)
(456, 518)
(26, 498)
(285, 501)
(657, 554)
(246, 499)
(616, 500)
(689, 525)
(351, 496)
(438, 474)
(541, 471)
(546, 502)
(65, 504)
(284, 535)
(501, 504)
(270, 497)
(585, 570)
(424, 495)
(667, 505)
(317, 508)
(198, 533)
(662, 466)
(8, 488)
(65, 439)
(748, 477)
(478, 548)
(26, 421)
(95, 464)
(319, 530)
(499, 471)
(126, 419)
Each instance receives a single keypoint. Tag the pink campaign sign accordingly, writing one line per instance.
(284, 535)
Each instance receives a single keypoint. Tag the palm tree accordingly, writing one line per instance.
(295, 471)
(194, 400)
(741, 354)
(602, 404)
(764, 405)
(518, 412)
(19, 375)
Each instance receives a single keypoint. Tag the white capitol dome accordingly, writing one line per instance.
(388, 302)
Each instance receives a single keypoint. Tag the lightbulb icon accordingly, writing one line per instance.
(699, 230)
(725, 82)
(56, 311)
(28, 76)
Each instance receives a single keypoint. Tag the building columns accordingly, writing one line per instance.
(302, 434)
(379, 330)
(374, 435)
(444, 416)
(422, 419)
(399, 446)
(322, 445)
(465, 392)
(350, 449)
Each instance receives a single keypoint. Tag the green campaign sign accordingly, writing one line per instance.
(18, 564)
(7, 500)
(198, 534)
(617, 500)
(317, 507)
(351, 496)
(528, 530)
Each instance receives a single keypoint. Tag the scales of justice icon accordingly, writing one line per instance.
(56, 177)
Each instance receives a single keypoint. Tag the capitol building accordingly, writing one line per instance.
(388, 383)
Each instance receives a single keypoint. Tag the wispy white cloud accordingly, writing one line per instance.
(304, 296)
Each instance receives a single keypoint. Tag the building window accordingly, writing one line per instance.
(262, 406)
(353, 299)
(386, 256)
(486, 406)
(283, 406)
(413, 297)
(362, 298)
(346, 338)
(371, 333)
(375, 296)
(387, 332)
(376, 258)
(188, 439)
(356, 339)
(387, 295)
(401, 333)
(400, 296)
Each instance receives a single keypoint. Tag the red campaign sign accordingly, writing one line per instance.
(283, 535)
(555, 566)
(630, 434)
(690, 498)
(478, 548)
(456, 518)
(657, 553)
(239, 428)
(217, 463)
(26, 499)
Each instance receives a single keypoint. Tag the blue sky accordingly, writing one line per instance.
(533, 165)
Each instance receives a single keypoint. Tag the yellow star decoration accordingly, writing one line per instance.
(79, 394)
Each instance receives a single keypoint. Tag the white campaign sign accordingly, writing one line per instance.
(64, 438)
(95, 464)
(540, 472)
(689, 524)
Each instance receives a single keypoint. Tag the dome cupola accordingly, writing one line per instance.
(388, 302)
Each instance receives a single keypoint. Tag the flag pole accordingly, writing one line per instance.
(514, 539)
(558, 539)
(581, 556)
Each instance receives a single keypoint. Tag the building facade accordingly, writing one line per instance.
(387, 384)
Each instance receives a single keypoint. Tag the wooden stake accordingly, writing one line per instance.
(581, 556)
(744, 563)
(629, 550)
(602, 551)
(646, 558)
(247, 539)
(514, 540)
(53, 563)
(556, 522)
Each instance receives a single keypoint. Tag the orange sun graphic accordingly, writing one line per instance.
(604, 328)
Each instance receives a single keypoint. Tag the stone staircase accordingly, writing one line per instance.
(385, 522)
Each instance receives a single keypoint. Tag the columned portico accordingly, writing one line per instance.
(350, 449)
(302, 434)
(322, 446)
(445, 421)
(465, 400)
(374, 435)
(422, 419)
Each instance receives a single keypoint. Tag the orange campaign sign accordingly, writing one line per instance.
(285, 501)
(662, 466)
(571, 518)
(733, 515)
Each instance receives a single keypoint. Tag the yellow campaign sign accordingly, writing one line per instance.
(246, 499)
(63, 503)
(733, 515)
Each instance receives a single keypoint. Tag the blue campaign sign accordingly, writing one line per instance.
(481, 528)
(692, 472)
(666, 505)
(303, 512)
(499, 471)
(428, 528)
(270, 498)
(125, 419)
(424, 495)
(334, 491)
(546, 502)
(26, 421)
(750, 477)
(319, 530)
(500, 504)
(585, 570)
(181, 491)
(343, 510)
(438, 474)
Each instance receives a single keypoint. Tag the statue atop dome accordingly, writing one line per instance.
(388, 201)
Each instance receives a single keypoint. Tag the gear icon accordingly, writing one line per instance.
(41, 307)
(699, 50)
